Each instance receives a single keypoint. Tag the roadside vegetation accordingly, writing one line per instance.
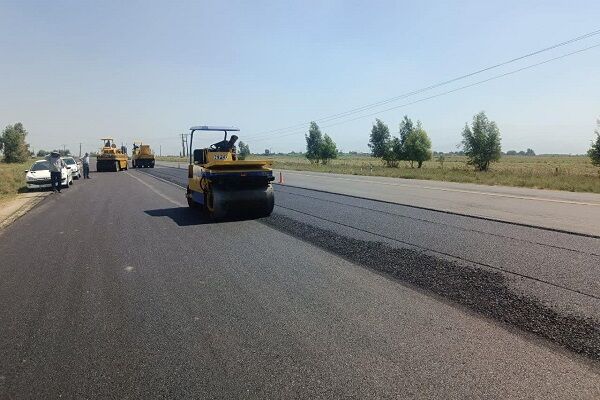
(15, 160)
(408, 155)
(12, 178)
(570, 173)
(556, 172)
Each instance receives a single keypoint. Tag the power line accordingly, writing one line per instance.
(427, 88)
(445, 93)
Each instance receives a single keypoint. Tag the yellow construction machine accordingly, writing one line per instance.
(111, 158)
(142, 156)
(223, 185)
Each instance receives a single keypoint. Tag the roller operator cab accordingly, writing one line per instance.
(111, 158)
(224, 186)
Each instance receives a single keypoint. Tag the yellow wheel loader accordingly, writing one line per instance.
(111, 158)
(142, 156)
(223, 185)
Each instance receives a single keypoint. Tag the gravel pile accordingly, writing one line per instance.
(484, 291)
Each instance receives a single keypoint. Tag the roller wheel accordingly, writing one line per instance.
(269, 204)
(191, 203)
(215, 205)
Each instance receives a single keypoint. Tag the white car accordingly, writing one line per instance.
(75, 170)
(38, 177)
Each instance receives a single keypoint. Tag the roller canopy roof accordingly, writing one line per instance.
(214, 128)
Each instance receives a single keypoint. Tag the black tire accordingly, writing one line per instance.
(216, 204)
(191, 203)
(269, 204)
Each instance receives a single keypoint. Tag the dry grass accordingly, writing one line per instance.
(12, 179)
(571, 173)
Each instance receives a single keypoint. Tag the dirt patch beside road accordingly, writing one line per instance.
(12, 209)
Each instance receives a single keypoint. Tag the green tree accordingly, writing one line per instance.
(405, 129)
(328, 149)
(417, 146)
(314, 143)
(530, 152)
(594, 151)
(379, 142)
(392, 154)
(16, 150)
(244, 151)
(481, 142)
(42, 153)
(67, 152)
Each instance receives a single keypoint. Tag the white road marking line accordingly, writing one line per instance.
(580, 203)
(177, 203)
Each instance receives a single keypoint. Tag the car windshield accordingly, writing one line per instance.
(40, 166)
(69, 161)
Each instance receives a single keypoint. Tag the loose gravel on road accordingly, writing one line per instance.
(484, 291)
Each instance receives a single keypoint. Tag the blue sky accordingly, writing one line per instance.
(75, 71)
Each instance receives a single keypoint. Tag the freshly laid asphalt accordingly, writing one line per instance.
(115, 289)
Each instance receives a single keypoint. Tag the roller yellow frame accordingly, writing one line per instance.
(222, 185)
(111, 158)
(142, 156)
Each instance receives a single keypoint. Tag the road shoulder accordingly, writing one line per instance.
(14, 208)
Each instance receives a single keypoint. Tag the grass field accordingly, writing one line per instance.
(570, 173)
(12, 179)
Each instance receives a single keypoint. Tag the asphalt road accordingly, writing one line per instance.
(573, 212)
(114, 289)
(552, 209)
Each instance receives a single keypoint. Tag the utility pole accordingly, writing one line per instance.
(79, 149)
(184, 143)
(160, 150)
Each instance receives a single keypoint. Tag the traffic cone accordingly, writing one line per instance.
(280, 178)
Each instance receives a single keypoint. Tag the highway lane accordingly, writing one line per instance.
(561, 210)
(116, 289)
(560, 265)
(573, 212)
(553, 271)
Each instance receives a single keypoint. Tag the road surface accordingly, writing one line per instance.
(114, 289)
(559, 210)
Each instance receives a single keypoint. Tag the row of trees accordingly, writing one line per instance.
(481, 143)
(412, 144)
(15, 147)
(529, 152)
(319, 147)
(44, 153)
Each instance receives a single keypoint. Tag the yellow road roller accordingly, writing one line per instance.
(111, 158)
(224, 186)
(142, 156)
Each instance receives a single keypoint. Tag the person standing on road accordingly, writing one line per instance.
(86, 166)
(56, 166)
